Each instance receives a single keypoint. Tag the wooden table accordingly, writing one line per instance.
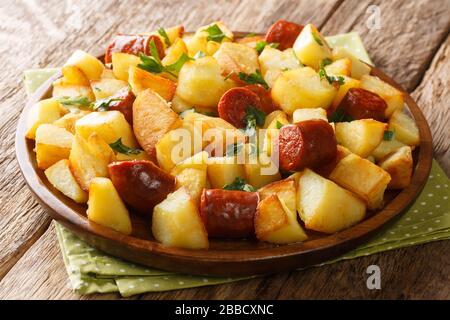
(411, 44)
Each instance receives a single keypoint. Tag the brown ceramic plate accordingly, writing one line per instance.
(225, 257)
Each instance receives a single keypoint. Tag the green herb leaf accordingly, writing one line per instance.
(279, 125)
(260, 45)
(154, 51)
(150, 64)
(176, 66)
(118, 146)
(325, 62)
(104, 104)
(200, 54)
(240, 185)
(234, 149)
(331, 79)
(254, 78)
(317, 39)
(388, 135)
(215, 33)
(163, 34)
(253, 118)
(251, 34)
(340, 116)
(75, 101)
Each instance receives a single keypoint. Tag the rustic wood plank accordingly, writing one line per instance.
(433, 95)
(36, 32)
(410, 33)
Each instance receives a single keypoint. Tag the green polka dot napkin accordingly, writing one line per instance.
(91, 271)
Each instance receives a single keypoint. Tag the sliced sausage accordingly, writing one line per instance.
(306, 144)
(359, 103)
(267, 104)
(233, 105)
(140, 183)
(133, 44)
(228, 213)
(124, 103)
(284, 33)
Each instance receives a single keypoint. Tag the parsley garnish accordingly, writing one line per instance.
(253, 118)
(75, 101)
(199, 54)
(240, 185)
(279, 125)
(163, 34)
(317, 39)
(260, 45)
(388, 135)
(121, 148)
(249, 35)
(325, 62)
(331, 79)
(104, 104)
(234, 149)
(215, 33)
(254, 78)
(340, 116)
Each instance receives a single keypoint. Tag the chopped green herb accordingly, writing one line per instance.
(118, 146)
(176, 66)
(260, 45)
(331, 79)
(253, 118)
(163, 34)
(200, 54)
(234, 149)
(254, 78)
(388, 135)
(240, 185)
(317, 39)
(104, 104)
(150, 64)
(249, 35)
(154, 51)
(325, 62)
(98, 89)
(75, 101)
(279, 125)
(340, 116)
(215, 33)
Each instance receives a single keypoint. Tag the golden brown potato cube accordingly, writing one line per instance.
(141, 80)
(341, 67)
(69, 120)
(363, 178)
(302, 88)
(404, 128)
(73, 75)
(359, 68)
(109, 125)
(45, 111)
(152, 119)
(199, 42)
(275, 223)
(326, 207)
(88, 64)
(284, 189)
(89, 159)
(343, 89)
(105, 88)
(174, 52)
(234, 58)
(176, 222)
(360, 136)
(308, 114)
(173, 33)
(311, 47)
(273, 62)
(400, 166)
(105, 207)
(385, 148)
(60, 176)
(224, 170)
(52, 144)
(394, 98)
(121, 63)
(64, 90)
(260, 170)
(201, 83)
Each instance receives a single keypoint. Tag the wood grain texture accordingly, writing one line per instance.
(409, 33)
(433, 95)
(31, 44)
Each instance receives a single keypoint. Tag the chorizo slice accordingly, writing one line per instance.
(359, 103)
(284, 33)
(306, 144)
(233, 105)
(123, 101)
(267, 104)
(133, 44)
(229, 213)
